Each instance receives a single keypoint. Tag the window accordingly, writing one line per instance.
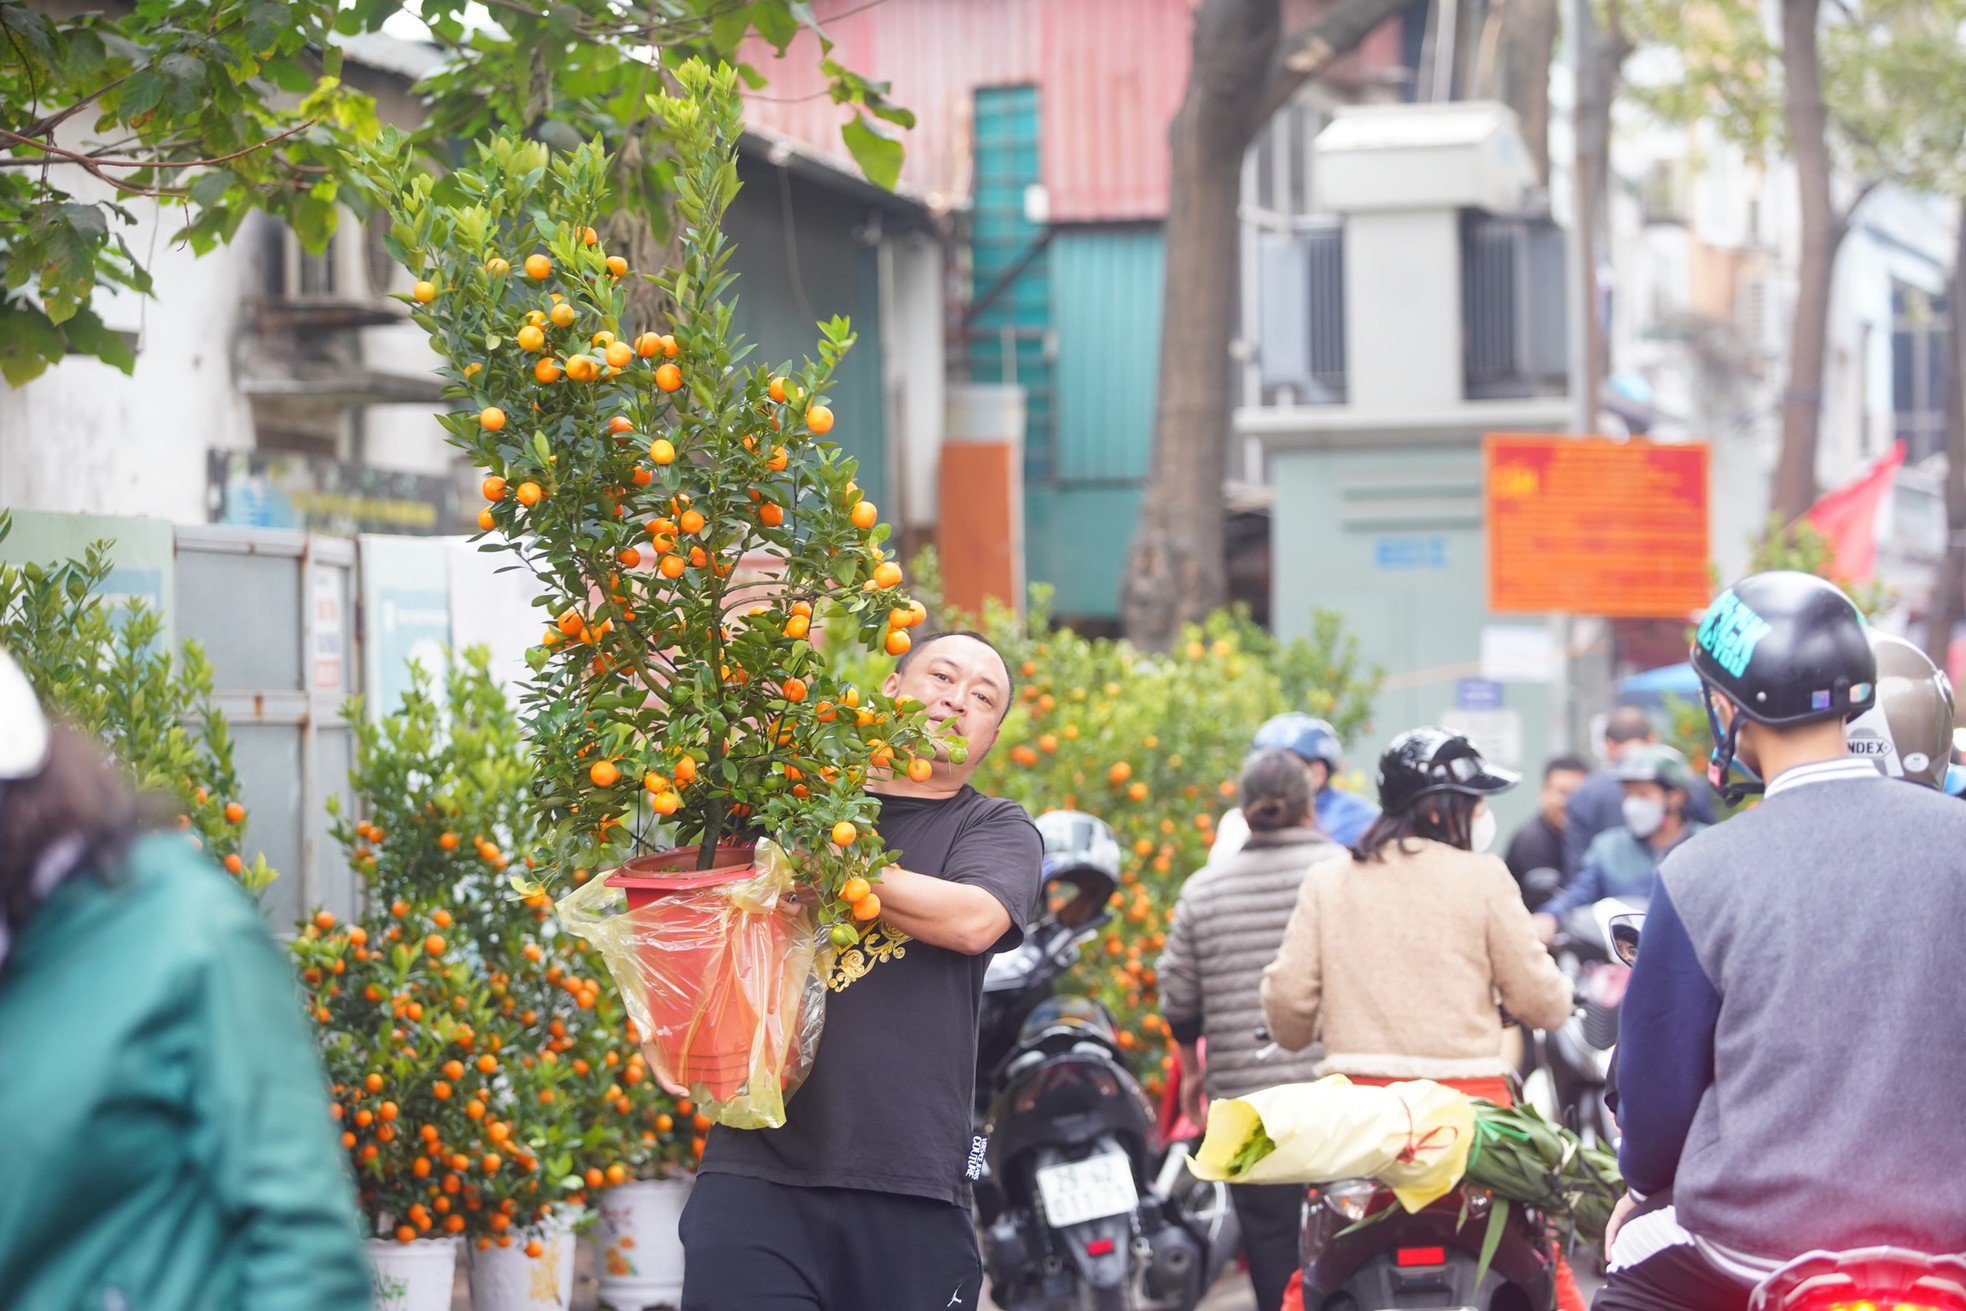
(1920, 327)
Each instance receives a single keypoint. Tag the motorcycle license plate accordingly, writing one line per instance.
(1087, 1190)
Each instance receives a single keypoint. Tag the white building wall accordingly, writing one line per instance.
(85, 438)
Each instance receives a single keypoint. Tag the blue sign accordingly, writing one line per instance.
(1477, 694)
(1409, 554)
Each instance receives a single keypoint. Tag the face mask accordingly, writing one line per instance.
(1481, 834)
(1643, 816)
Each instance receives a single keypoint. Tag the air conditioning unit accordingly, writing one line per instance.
(1514, 314)
(1301, 299)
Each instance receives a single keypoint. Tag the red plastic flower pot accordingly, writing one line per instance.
(712, 971)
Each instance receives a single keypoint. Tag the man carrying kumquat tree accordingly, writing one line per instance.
(862, 1199)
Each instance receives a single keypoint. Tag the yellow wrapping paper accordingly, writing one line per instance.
(1413, 1137)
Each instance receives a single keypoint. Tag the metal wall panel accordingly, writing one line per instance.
(1115, 69)
(1076, 538)
(798, 260)
(1009, 337)
(1111, 74)
(275, 611)
(1105, 309)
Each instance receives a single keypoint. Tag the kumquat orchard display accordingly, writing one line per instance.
(691, 531)
(487, 1087)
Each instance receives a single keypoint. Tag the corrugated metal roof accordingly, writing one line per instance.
(1111, 77)
(1109, 74)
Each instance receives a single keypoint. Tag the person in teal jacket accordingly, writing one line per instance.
(168, 1138)
(1624, 862)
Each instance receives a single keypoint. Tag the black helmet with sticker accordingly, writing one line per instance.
(1784, 649)
(1787, 648)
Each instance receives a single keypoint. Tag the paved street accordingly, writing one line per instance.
(1231, 1293)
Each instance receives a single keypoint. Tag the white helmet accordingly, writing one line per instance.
(23, 728)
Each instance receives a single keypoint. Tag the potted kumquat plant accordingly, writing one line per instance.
(515, 1091)
(691, 530)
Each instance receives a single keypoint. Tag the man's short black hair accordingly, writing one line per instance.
(923, 643)
(1629, 724)
(1565, 764)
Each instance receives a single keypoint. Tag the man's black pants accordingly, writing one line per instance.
(1674, 1277)
(749, 1245)
(1271, 1216)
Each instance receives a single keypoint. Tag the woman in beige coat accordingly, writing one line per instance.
(1401, 955)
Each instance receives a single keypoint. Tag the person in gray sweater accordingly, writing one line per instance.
(1228, 926)
(1791, 1053)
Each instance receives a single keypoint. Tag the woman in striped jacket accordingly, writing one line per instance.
(1228, 925)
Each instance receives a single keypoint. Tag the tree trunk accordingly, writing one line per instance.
(1177, 572)
(1528, 42)
(1949, 592)
(1243, 70)
(1822, 233)
(1602, 56)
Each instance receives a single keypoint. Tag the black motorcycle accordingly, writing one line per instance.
(1082, 1208)
(1427, 1259)
(1572, 1082)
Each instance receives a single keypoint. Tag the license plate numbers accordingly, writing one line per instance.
(1087, 1190)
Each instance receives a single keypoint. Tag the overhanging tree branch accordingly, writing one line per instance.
(95, 165)
(1310, 51)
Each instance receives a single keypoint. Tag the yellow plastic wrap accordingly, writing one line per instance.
(725, 981)
(1413, 1137)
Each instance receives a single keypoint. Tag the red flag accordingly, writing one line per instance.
(1848, 517)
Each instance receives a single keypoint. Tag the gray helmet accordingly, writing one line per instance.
(1075, 841)
(1908, 733)
(1653, 763)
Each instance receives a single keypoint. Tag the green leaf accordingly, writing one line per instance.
(313, 221)
(1498, 1220)
(777, 23)
(879, 156)
(266, 23)
(88, 335)
(211, 186)
(141, 93)
(85, 219)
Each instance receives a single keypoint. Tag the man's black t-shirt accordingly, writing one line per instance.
(886, 1106)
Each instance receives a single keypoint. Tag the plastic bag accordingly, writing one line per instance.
(1413, 1137)
(725, 980)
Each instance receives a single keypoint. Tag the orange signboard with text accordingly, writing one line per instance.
(1587, 525)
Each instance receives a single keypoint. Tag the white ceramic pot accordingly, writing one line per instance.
(413, 1276)
(639, 1251)
(506, 1279)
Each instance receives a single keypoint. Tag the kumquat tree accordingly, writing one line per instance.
(689, 524)
(482, 1075)
(102, 667)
